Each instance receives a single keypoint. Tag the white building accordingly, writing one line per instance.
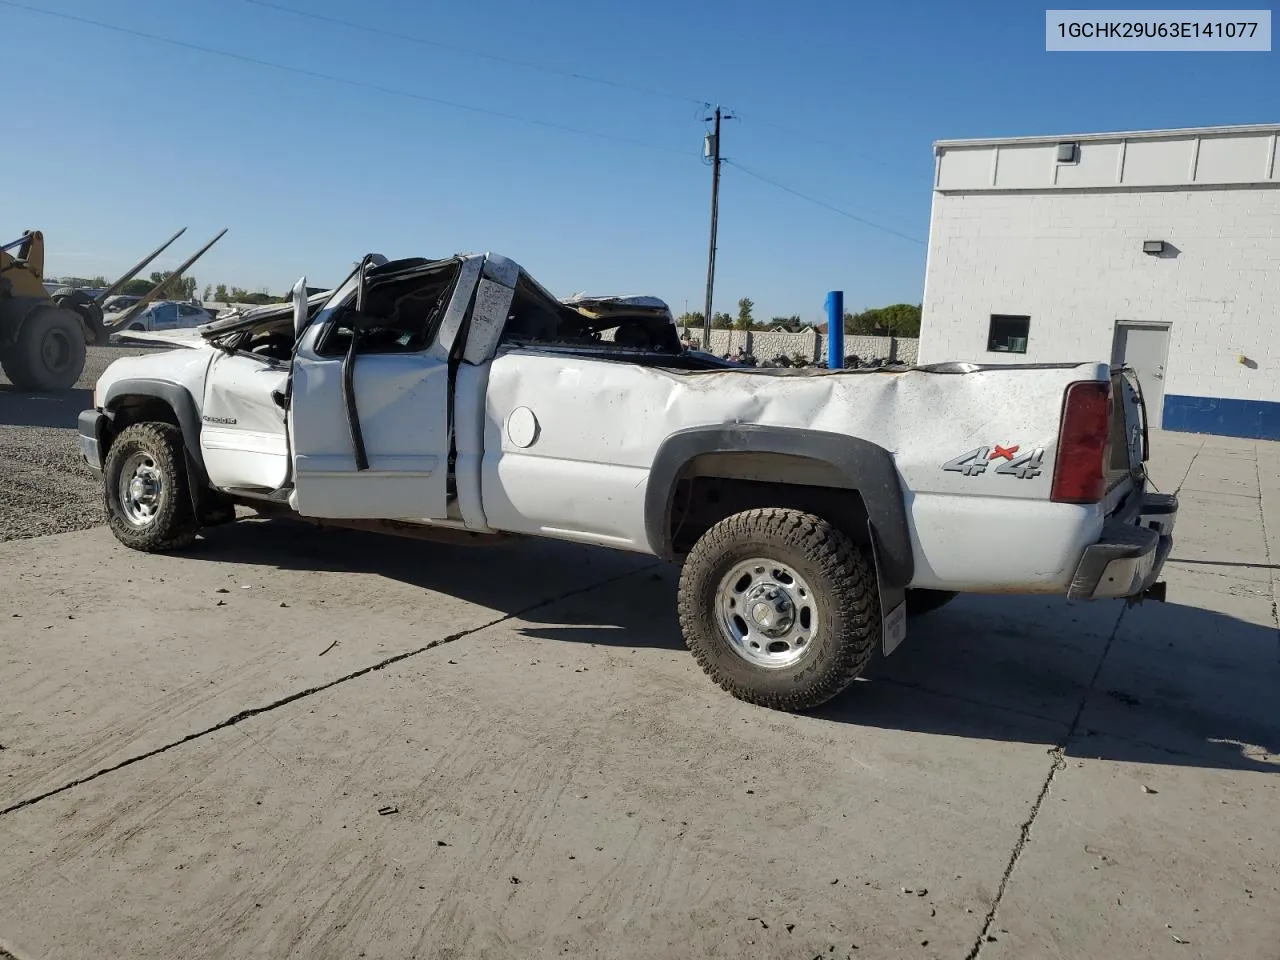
(1160, 249)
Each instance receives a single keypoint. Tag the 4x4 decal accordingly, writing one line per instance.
(1026, 466)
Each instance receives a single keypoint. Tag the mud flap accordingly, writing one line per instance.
(893, 623)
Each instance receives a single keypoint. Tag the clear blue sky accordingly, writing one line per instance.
(115, 141)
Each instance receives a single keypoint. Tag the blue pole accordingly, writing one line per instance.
(835, 329)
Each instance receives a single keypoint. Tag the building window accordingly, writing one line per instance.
(1008, 334)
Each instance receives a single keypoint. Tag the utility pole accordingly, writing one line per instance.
(712, 151)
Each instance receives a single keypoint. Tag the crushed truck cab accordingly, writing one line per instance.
(811, 510)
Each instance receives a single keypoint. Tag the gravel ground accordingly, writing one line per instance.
(44, 486)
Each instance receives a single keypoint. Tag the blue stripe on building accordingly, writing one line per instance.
(1253, 419)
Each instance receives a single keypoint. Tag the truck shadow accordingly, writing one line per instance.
(518, 578)
(1160, 683)
(56, 408)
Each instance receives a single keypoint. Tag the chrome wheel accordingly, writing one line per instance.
(141, 489)
(767, 612)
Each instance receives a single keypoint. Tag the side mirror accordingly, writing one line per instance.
(299, 307)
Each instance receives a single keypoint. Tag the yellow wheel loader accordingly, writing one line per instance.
(43, 334)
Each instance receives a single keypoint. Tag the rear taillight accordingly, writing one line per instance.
(1083, 439)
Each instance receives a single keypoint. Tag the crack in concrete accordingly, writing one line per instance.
(1190, 463)
(1266, 544)
(1059, 763)
(309, 691)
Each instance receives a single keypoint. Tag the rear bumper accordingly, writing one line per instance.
(1127, 560)
(90, 427)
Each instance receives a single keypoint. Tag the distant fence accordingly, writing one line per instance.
(812, 345)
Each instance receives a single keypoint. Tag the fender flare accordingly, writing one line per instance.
(867, 467)
(179, 400)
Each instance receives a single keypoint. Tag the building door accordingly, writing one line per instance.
(1145, 348)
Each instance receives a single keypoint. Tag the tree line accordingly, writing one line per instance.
(180, 288)
(895, 320)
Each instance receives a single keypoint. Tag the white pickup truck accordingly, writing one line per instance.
(812, 509)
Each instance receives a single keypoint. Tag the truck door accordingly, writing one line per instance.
(242, 436)
(369, 403)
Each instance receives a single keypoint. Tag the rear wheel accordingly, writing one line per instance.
(49, 352)
(779, 607)
(148, 497)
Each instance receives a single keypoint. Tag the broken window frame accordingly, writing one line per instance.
(588, 337)
(378, 278)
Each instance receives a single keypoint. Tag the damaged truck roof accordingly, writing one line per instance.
(602, 311)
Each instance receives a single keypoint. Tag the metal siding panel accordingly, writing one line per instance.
(1233, 159)
(1151, 163)
(1174, 160)
(1024, 167)
(965, 169)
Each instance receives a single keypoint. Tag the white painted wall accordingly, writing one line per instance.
(1073, 261)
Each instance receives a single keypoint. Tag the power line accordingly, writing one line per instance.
(331, 78)
(842, 150)
(498, 58)
(700, 103)
(439, 101)
(822, 203)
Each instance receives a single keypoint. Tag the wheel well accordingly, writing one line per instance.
(133, 408)
(718, 485)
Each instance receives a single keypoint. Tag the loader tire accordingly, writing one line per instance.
(48, 353)
(90, 314)
(146, 489)
(780, 608)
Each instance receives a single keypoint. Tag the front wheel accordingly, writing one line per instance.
(779, 607)
(148, 498)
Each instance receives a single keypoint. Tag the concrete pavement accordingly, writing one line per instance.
(188, 772)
